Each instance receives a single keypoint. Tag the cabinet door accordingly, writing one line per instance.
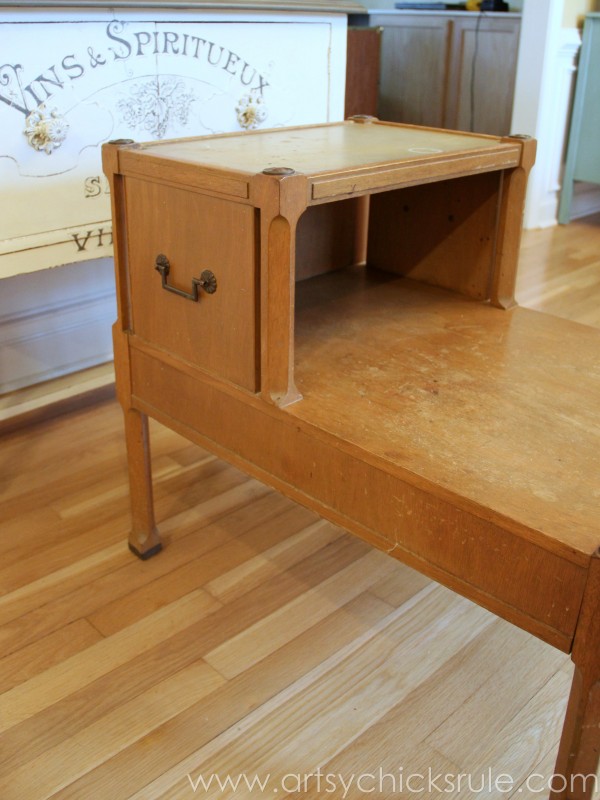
(482, 73)
(196, 233)
(414, 53)
(362, 71)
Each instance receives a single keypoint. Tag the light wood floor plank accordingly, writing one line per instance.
(89, 499)
(173, 652)
(400, 586)
(81, 669)
(302, 727)
(95, 744)
(559, 270)
(190, 565)
(41, 591)
(531, 734)
(273, 631)
(252, 572)
(131, 774)
(498, 700)
(42, 654)
(83, 542)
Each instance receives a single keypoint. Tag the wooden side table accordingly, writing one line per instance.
(331, 309)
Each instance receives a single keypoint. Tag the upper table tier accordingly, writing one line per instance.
(333, 155)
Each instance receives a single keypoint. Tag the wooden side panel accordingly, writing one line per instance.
(510, 224)
(331, 236)
(442, 234)
(196, 233)
(472, 555)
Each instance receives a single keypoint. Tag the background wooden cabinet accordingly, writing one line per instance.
(448, 70)
(414, 66)
(363, 55)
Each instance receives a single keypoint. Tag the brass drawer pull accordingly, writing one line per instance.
(206, 281)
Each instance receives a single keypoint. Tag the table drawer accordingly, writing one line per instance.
(212, 327)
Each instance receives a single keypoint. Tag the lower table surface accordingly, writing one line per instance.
(460, 438)
(501, 408)
(488, 411)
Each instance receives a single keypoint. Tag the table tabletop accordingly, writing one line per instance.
(325, 148)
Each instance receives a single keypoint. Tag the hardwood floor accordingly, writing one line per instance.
(559, 270)
(262, 644)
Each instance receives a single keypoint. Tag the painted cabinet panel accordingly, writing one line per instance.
(414, 62)
(483, 73)
(69, 82)
(583, 152)
(448, 69)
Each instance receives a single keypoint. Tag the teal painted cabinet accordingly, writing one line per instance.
(583, 150)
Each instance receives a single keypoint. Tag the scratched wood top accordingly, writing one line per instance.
(324, 148)
(499, 407)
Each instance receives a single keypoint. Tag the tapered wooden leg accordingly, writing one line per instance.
(578, 761)
(144, 540)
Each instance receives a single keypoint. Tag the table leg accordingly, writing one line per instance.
(144, 539)
(576, 773)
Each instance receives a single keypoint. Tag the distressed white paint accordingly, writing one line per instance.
(86, 78)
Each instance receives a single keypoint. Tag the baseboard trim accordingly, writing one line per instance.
(34, 404)
(55, 323)
(586, 200)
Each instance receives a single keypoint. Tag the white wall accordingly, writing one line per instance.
(542, 96)
(543, 92)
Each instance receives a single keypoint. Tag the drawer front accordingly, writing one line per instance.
(196, 233)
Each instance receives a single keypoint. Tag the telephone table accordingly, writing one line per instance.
(331, 309)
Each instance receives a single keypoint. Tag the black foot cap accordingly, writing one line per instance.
(147, 553)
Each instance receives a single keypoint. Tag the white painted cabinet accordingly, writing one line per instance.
(71, 80)
(74, 75)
